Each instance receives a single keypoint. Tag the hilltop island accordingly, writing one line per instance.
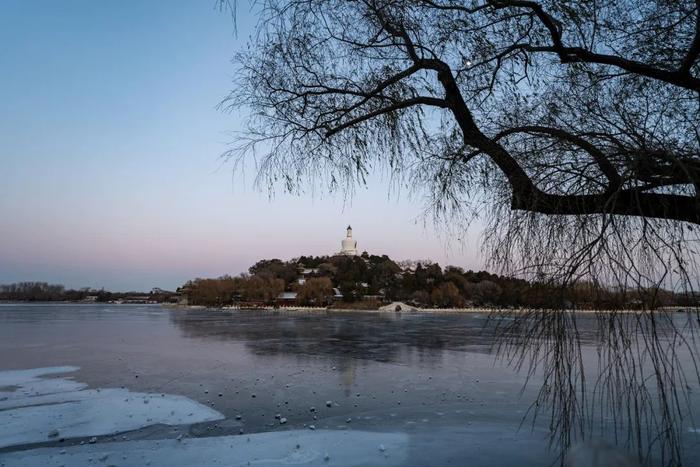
(363, 281)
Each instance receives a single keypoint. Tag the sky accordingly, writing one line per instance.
(110, 156)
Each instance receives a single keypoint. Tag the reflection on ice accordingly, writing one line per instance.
(297, 447)
(35, 409)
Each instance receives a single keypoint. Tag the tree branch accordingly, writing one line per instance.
(601, 159)
(694, 50)
(680, 78)
(424, 100)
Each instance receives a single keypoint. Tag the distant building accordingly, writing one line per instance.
(305, 273)
(308, 271)
(348, 246)
(287, 298)
(137, 299)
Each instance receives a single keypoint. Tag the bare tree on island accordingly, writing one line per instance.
(572, 128)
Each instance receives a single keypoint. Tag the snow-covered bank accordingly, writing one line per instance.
(296, 447)
(34, 409)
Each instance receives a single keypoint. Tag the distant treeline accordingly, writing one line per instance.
(40, 292)
(323, 280)
(45, 292)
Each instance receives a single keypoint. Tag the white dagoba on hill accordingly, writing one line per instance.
(348, 245)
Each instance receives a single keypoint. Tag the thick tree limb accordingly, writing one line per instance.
(628, 203)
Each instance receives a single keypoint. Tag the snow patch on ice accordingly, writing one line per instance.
(297, 447)
(38, 407)
(16, 377)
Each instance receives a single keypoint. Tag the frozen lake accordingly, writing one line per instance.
(142, 384)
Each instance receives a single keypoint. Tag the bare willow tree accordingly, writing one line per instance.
(572, 127)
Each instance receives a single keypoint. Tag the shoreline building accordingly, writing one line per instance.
(348, 247)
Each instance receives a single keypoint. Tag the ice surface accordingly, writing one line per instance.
(38, 406)
(295, 447)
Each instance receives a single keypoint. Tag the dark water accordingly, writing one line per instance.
(445, 380)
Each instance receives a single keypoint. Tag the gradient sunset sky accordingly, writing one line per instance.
(110, 145)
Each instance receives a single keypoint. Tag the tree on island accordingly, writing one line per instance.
(315, 291)
(447, 295)
(262, 288)
(274, 267)
(571, 127)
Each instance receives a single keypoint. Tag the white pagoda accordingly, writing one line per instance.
(348, 246)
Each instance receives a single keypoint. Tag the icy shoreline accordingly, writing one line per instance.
(40, 409)
(473, 310)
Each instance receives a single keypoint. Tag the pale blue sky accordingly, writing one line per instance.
(109, 155)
